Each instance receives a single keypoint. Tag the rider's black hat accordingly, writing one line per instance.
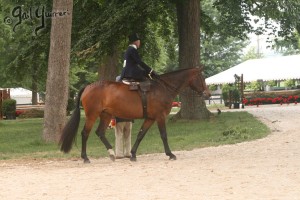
(133, 37)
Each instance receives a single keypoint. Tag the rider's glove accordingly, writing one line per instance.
(153, 75)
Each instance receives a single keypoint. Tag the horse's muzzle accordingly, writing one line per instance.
(207, 94)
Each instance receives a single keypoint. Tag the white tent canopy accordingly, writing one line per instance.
(266, 69)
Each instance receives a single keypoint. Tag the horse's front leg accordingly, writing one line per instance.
(163, 134)
(104, 123)
(145, 127)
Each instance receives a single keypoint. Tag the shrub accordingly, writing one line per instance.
(236, 95)
(19, 112)
(272, 83)
(9, 108)
(32, 113)
(225, 91)
(277, 100)
(289, 83)
(255, 85)
(213, 87)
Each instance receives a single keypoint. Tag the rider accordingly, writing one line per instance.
(134, 67)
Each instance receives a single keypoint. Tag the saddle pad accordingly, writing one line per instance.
(130, 82)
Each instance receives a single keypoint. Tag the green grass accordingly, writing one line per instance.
(22, 138)
(215, 106)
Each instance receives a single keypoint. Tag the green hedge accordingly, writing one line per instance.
(9, 108)
(271, 94)
(32, 113)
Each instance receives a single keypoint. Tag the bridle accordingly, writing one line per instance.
(175, 90)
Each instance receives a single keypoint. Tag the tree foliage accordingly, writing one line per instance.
(251, 54)
(106, 33)
(288, 47)
(238, 17)
(218, 51)
(24, 52)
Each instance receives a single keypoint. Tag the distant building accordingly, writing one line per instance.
(21, 95)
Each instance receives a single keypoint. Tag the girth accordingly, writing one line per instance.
(142, 87)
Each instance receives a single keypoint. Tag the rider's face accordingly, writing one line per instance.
(137, 43)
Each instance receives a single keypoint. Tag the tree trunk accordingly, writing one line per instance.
(58, 71)
(34, 89)
(192, 105)
(34, 76)
(108, 69)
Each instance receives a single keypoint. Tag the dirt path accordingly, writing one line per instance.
(265, 169)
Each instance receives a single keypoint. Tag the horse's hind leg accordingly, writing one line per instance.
(146, 125)
(85, 135)
(104, 123)
(163, 134)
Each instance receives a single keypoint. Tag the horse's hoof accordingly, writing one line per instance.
(172, 157)
(111, 154)
(112, 157)
(133, 159)
(86, 161)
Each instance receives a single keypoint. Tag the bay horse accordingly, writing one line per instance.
(106, 99)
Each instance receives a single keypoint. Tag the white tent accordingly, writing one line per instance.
(266, 69)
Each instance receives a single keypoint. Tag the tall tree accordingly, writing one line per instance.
(288, 47)
(219, 54)
(218, 51)
(188, 16)
(252, 54)
(58, 70)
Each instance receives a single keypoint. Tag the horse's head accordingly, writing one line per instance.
(197, 82)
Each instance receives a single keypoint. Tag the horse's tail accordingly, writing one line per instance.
(70, 130)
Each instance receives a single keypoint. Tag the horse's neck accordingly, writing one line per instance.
(176, 81)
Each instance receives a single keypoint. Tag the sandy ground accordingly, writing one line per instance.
(268, 168)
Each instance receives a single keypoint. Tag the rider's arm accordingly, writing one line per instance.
(135, 55)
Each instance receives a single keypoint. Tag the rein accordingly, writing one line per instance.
(169, 86)
(176, 90)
